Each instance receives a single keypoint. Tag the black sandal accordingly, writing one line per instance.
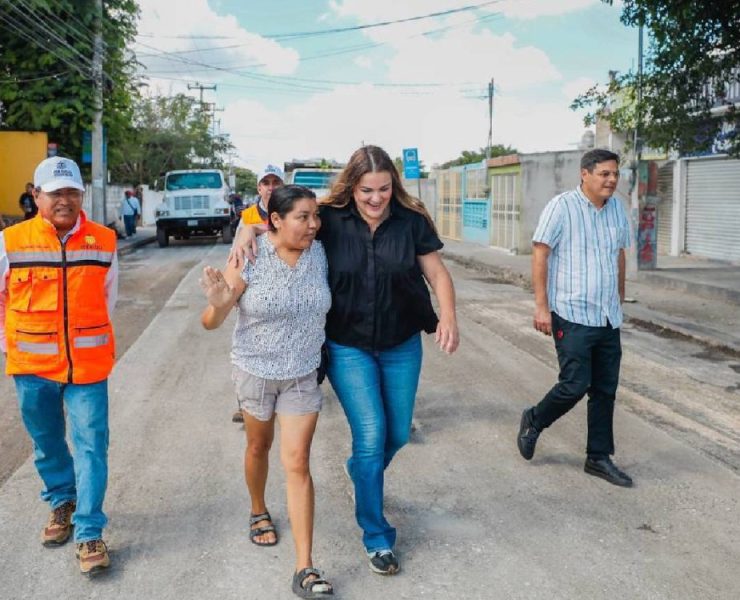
(313, 588)
(253, 533)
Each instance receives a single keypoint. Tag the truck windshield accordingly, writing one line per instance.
(189, 181)
(314, 180)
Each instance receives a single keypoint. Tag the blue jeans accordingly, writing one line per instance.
(82, 476)
(377, 391)
(129, 221)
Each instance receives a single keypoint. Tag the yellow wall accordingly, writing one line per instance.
(20, 152)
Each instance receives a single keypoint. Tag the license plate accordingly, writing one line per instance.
(192, 222)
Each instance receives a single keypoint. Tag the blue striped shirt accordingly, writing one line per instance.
(582, 270)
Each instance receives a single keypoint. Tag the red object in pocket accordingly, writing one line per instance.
(559, 334)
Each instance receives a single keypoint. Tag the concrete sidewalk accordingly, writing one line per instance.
(143, 236)
(684, 297)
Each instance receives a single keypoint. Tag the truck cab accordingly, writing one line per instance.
(195, 202)
(315, 175)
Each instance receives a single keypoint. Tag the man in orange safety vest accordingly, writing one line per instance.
(58, 287)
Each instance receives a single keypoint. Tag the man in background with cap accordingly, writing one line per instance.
(58, 287)
(268, 179)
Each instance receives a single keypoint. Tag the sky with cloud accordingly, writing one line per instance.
(292, 86)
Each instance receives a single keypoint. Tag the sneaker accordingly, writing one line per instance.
(237, 417)
(528, 434)
(93, 556)
(59, 527)
(384, 562)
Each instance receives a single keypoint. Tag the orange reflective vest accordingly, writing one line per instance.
(56, 318)
(252, 216)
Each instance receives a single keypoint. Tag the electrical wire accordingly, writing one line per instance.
(27, 34)
(36, 21)
(30, 79)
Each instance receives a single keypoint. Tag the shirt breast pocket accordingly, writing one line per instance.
(614, 238)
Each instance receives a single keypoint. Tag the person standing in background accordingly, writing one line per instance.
(27, 203)
(130, 209)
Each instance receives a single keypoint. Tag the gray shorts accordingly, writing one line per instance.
(261, 398)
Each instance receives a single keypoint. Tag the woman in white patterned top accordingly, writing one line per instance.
(282, 301)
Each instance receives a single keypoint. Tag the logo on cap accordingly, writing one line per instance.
(62, 170)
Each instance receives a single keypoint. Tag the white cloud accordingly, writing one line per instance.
(363, 62)
(206, 37)
(390, 10)
(336, 123)
(532, 9)
(440, 120)
(577, 86)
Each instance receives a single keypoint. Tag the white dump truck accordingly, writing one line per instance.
(195, 202)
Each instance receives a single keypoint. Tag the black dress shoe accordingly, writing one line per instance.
(528, 434)
(606, 469)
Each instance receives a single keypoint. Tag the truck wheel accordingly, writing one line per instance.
(162, 238)
(227, 234)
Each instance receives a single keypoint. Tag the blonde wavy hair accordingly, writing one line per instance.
(371, 159)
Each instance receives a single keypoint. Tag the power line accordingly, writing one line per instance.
(36, 24)
(30, 79)
(36, 21)
(27, 34)
(83, 34)
(443, 13)
(165, 55)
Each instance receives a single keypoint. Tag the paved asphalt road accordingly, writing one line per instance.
(475, 520)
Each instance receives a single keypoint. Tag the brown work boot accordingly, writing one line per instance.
(93, 556)
(59, 527)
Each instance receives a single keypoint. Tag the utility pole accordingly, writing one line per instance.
(198, 86)
(98, 159)
(490, 119)
(634, 264)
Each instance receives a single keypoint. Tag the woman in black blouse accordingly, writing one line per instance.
(381, 246)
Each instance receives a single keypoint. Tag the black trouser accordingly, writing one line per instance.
(589, 360)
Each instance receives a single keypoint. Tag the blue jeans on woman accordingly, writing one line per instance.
(83, 475)
(377, 391)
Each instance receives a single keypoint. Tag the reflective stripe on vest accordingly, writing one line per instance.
(91, 341)
(38, 348)
(54, 259)
(57, 323)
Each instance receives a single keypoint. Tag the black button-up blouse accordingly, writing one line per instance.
(379, 297)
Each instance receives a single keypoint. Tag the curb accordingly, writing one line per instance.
(130, 247)
(647, 320)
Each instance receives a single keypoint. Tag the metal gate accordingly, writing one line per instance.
(713, 208)
(476, 222)
(505, 209)
(449, 204)
(665, 208)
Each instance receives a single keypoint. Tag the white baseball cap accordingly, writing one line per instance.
(271, 170)
(56, 173)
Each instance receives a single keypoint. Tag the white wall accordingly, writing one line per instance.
(114, 195)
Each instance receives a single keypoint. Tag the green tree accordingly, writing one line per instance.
(167, 133)
(46, 51)
(691, 63)
(246, 181)
(468, 157)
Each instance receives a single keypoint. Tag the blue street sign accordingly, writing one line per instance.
(87, 147)
(411, 163)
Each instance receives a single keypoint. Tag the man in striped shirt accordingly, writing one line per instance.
(578, 272)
